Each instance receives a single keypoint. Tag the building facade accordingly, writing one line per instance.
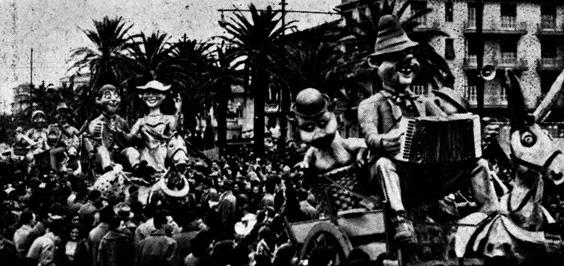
(523, 35)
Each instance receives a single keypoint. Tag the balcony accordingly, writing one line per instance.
(549, 28)
(506, 61)
(271, 108)
(550, 64)
(508, 27)
(491, 99)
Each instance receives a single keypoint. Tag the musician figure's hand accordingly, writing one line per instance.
(390, 142)
(361, 157)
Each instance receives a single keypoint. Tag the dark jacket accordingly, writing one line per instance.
(157, 249)
(115, 249)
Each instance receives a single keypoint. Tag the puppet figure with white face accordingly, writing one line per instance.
(318, 128)
(154, 129)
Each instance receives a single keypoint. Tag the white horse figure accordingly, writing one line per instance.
(517, 232)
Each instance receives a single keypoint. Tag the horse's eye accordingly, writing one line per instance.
(528, 139)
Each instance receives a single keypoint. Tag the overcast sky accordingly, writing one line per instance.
(52, 28)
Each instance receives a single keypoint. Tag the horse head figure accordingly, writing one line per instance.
(534, 154)
(516, 232)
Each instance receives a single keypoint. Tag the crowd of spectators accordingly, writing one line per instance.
(235, 214)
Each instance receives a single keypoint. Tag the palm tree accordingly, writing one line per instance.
(195, 60)
(257, 39)
(311, 58)
(224, 72)
(108, 61)
(434, 69)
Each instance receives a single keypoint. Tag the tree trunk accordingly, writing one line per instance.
(222, 117)
(259, 87)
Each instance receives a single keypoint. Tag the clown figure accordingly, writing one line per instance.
(35, 137)
(155, 129)
(107, 133)
(318, 128)
(63, 139)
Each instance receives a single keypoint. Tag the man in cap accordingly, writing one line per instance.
(379, 116)
(107, 134)
(154, 129)
(318, 128)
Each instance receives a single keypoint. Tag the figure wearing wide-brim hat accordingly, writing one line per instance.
(391, 38)
(154, 129)
(154, 85)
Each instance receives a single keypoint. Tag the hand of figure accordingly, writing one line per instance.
(360, 158)
(391, 142)
(98, 129)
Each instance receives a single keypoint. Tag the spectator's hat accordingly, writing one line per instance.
(453, 97)
(391, 37)
(50, 87)
(310, 103)
(155, 85)
(214, 198)
(174, 184)
(63, 107)
(36, 113)
(246, 225)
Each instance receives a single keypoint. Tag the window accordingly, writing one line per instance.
(449, 48)
(548, 16)
(471, 14)
(448, 11)
(508, 15)
(472, 48)
(508, 51)
(419, 6)
(548, 49)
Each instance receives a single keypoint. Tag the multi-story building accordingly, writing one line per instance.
(523, 35)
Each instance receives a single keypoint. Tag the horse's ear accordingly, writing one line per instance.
(550, 99)
(515, 100)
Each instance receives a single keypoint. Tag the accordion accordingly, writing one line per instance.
(438, 140)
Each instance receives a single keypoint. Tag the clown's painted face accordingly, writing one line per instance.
(153, 98)
(398, 70)
(320, 131)
(109, 100)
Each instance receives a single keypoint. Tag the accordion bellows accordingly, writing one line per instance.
(436, 140)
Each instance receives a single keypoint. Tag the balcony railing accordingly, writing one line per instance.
(498, 98)
(548, 22)
(548, 64)
(508, 25)
(549, 27)
(507, 60)
(508, 22)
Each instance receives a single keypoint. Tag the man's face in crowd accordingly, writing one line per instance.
(109, 100)
(397, 70)
(318, 132)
